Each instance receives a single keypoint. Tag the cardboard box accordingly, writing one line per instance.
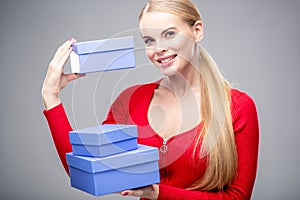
(103, 140)
(102, 55)
(100, 176)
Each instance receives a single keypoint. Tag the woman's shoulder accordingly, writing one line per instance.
(237, 94)
(242, 104)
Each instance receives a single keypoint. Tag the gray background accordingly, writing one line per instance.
(256, 43)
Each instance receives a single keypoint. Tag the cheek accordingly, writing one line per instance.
(150, 53)
(184, 46)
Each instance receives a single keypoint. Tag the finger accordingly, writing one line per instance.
(66, 50)
(61, 55)
(71, 77)
(77, 76)
(66, 78)
(62, 48)
(136, 193)
(63, 58)
(59, 61)
(66, 45)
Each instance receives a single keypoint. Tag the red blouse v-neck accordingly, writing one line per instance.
(178, 168)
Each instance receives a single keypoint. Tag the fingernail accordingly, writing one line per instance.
(71, 39)
(125, 193)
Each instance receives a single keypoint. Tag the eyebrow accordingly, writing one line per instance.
(166, 30)
(163, 32)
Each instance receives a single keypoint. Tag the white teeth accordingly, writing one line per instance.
(167, 60)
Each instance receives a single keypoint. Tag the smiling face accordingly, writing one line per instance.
(170, 42)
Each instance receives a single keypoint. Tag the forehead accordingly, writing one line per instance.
(159, 21)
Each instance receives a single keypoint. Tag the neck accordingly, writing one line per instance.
(184, 83)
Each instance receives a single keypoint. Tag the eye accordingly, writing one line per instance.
(169, 34)
(148, 41)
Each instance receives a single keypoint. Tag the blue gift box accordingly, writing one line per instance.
(103, 140)
(102, 55)
(100, 176)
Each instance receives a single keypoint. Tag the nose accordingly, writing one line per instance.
(160, 47)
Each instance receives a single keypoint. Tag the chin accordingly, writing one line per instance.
(169, 71)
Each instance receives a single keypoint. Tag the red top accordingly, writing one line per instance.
(178, 169)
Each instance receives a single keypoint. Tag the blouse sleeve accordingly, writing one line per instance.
(60, 127)
(245, 124)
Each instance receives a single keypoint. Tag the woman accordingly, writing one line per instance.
(207, 132)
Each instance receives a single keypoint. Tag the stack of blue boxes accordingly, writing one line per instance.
(107, 159)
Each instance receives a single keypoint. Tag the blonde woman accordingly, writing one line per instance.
(207, 132)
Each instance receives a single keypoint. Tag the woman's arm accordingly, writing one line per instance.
(60, 127)
(54, 112)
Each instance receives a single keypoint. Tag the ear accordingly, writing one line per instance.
(198, 31)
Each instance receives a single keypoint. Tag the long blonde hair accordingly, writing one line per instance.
(217, 136)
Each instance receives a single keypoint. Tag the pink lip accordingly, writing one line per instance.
(168, 63)
(166, 57)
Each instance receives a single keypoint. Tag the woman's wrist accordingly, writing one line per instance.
(50, 101)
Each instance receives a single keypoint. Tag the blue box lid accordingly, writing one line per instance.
(143, 154)
(103, 134)
(111, 44)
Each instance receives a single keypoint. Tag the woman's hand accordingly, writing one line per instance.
(148, 192)
(55, 79)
